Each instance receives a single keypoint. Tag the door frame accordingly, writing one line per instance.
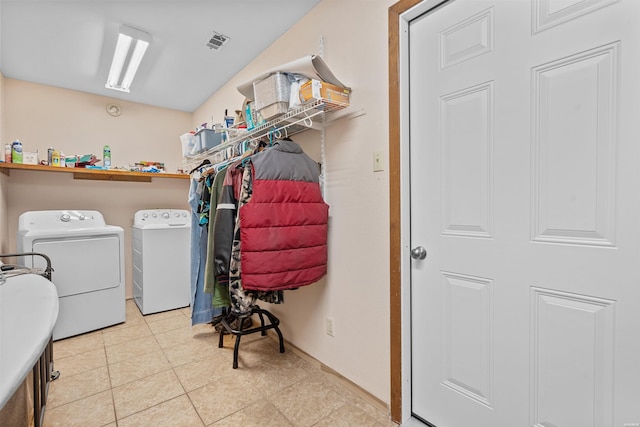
(399, 16)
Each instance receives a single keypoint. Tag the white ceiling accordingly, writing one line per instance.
(69, 43)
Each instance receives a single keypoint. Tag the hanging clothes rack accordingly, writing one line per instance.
(311, 115)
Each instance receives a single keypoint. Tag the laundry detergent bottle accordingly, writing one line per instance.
(106, 155)
(16, 152)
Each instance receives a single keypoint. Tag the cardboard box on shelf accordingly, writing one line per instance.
(335, 96)
(30, 158)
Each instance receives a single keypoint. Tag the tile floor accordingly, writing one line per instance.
(157, 370)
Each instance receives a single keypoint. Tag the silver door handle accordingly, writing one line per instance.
(419, 252)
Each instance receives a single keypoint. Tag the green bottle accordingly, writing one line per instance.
(16, 152)
(106, 154)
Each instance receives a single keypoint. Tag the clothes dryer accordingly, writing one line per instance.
(87, 257)
(161, 257)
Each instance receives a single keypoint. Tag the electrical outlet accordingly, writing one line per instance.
(378, 161)
(329, 326)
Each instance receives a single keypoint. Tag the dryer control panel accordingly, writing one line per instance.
(60, 220)
(170, 217)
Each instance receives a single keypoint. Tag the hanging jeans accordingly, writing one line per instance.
(202, 310)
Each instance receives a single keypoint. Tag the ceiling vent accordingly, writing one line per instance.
(217, 40)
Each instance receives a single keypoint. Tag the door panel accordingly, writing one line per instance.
(466, 160)
(524, 153)
(574, 101)
(467, 360)
(572, 349)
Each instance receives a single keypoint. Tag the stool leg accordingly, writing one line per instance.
(280, 339)
(274, 323)
(236, 347)
(264, 331)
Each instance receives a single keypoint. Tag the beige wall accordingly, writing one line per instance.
(355, 292)
(76, 122)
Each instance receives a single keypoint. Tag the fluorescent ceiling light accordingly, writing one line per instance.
(130, 48)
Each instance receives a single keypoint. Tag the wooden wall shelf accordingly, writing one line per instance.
(93, 174)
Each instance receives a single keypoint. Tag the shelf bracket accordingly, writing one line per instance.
(323, 164)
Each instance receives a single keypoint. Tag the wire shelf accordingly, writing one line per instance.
(311, 115)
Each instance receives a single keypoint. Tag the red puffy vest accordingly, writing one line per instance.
(283, 227)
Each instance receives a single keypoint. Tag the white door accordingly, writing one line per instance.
(525, 193)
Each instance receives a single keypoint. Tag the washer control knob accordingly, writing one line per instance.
(165, 215)
(176, 214)
(65, 218)
(154, 215)
(145, 215)
(82, 217)
(184, 214)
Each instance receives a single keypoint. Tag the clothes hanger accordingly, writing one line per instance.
(204, 162)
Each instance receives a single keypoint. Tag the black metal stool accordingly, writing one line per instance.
(238, 333)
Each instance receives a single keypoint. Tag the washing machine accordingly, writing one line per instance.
(87, 257)
(161, 259)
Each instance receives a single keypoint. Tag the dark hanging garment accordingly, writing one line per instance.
(243, 300)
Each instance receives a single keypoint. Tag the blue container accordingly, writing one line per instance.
(207, 139)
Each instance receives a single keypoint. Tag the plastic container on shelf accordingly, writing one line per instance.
(272, 95)
(189, 144)
(207, 139)
(71, 161)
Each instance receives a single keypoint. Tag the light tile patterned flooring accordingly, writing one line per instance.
(157, 371)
